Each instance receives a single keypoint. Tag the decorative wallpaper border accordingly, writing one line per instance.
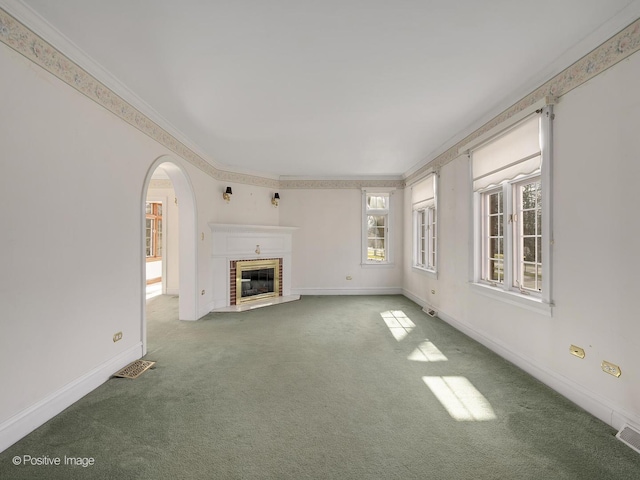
(18, 37)
(338, 184)
(614, 50)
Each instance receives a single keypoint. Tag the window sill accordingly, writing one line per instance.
(377, 265)
(524, 301)
(423, 271)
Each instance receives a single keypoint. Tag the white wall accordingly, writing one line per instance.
(154, 270)
(327, 246)
(71, 188)
(596, 258)
(71, 184)
(249, 205)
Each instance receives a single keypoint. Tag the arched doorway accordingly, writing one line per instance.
(187, 244)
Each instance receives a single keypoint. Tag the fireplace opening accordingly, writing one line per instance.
(256, 279)
(257, 282)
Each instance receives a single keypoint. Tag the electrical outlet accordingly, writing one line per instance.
(577, 351)
(202, 292)
(117, 336)
(433, 292)
(611, 369)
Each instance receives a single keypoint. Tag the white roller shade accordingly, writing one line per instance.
(515, 152)
(423, 192)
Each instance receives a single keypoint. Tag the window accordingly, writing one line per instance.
(376, 220)
(153, 231)
(423, 199)
(523, 218)
(528, 224)
(493, 237)
(512, 241)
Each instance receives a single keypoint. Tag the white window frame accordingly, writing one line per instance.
(425, 232)
(388, 230)
(156, 231)
(518, 233)
(539, 302)
(485, 240)
(510, 226)
(425, 228)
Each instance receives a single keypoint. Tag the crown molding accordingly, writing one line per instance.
(39, 26)
(617, 48)
(336, 184)
(80, 71)
(112, 95)
(23, 40)
(299, 182)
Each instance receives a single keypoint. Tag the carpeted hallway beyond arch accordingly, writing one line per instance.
(324, 388)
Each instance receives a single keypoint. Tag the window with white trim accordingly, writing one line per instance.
(493, 236)
(528, 234)
(423, 204)
(511, 221)
(523, 233)
(375, 228)
(153, 231)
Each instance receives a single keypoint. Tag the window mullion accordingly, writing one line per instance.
(508, 230)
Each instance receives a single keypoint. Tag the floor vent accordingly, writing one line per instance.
(630, 436)
(134, 369)
(429, 311)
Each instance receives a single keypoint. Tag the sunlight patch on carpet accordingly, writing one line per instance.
(398, 323)
(427, 352)
(460, 398)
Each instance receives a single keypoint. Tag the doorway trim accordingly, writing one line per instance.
(188, 245)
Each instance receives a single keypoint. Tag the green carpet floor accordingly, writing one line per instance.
(322, 388)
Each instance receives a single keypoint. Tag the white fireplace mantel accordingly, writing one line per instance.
(247, 242)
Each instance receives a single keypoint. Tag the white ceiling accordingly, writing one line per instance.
(325, 88)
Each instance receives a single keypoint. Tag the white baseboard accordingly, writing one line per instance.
(593, 403)
(173, 291)
(206, 309)
(415, 298)
(348, 291)
(621, 417)
(31, 418)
